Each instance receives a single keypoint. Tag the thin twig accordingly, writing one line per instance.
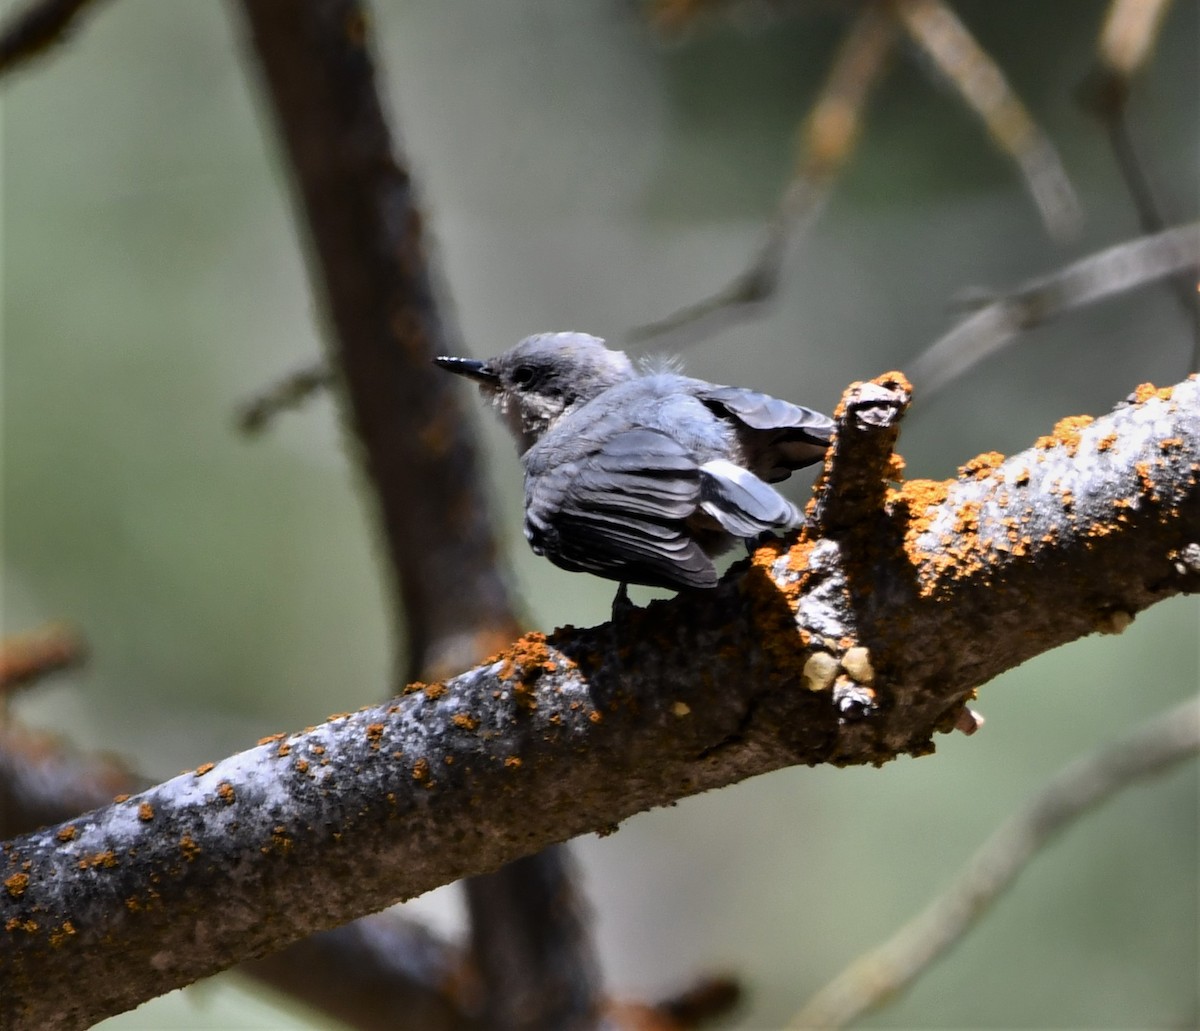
(26, 658)
(290, 392)
(1127, 39)
(827, 139)
(1130, 31)
(36, 29)
(940, 34)
(1104, 274)
(881, 974)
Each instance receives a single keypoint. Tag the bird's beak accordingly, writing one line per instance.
(472, 368)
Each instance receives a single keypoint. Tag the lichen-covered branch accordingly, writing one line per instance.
(848, 647)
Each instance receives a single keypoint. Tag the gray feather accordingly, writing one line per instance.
(742, 503)
(763, 412)
(618, 511)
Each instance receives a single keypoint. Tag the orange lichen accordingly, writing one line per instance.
(189, 848)
(1065, 434)
(464, 721)
(226, 793)
(125, 797)
(967, 518)
(301, 765)
(1168, 444)
(434, 691)
(284, 749)
(895, 468)
(919, 495)
(133, 903)
(528, 658)
(106, 859)
(66, 833)
(60, 934)
(595, 716)
(513, 762)
(201, 770)
(375, 735)
(15, 923)
(318, 749)
(280, 841)
(1147, 481)
(1106, 442)
(894, 380)
(981, 465)
(333, 717)
(957, 553)
(420, 770)
(1148, 391)
(16, 884)
(145, 812)
(272, 738)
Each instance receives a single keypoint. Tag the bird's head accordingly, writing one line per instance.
(542, 378)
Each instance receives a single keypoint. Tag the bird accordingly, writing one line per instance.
(640, 474)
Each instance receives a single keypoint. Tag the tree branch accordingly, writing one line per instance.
(369, 252)
(35, 30)
(1125, 266)
(891, 620)
(418, 447)
(26, 658)
(397, 966)
(531, 942)
(377, 973)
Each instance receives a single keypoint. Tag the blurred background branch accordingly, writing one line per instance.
(878, 976)
(1124, 267)
(37, 27)
(830, 133)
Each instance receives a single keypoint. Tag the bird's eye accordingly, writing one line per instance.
(522, 375)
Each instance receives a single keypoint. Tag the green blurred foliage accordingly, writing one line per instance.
(583, 174)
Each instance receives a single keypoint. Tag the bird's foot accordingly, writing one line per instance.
(753, 543)
(622, 607)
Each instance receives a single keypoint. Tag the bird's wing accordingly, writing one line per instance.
(778, 435)
(764, 412)
(618, 511)
(744, 505)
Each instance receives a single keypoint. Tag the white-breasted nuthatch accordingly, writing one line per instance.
(642, 476)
